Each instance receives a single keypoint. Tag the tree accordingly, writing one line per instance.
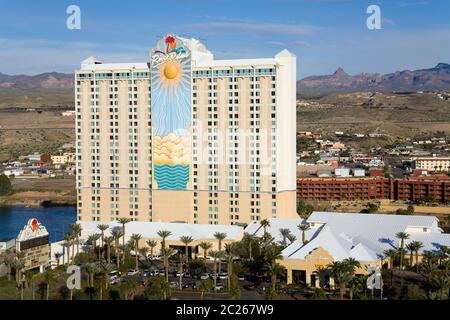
(164, 234)
(186, 240)
(343, 272)
(234, 291)
(206, 286)
(229, 254)
(265, 224)
(284, 234)
(151, 244)
(303, 228)
(304, 209)
(76, 232)
(128, 289)
(441, 281)
(273, 269)
(102, 228)
(8, 257)
(91, 269)
(123, 222)
(158, 289)
(108, 242)
(116, 234)
(29, 281)
(167, 253)
(104, 269)
(205, 246)
(220, 236)
(68, 243)
(135, 238)
(5, 185)
(215, 255)
(49, 277)
(402, 236)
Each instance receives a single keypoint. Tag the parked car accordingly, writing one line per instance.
(218, 287)
(241, 276)
(132, 272)
(223, 276)
(204, 276)
(174, 285)
(114, 279)
(250, 286)
(179, 274)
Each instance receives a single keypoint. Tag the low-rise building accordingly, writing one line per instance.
(337, 236)
(423, 188)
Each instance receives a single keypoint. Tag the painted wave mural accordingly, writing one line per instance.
(172, 177)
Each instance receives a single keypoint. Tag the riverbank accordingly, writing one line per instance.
(35, 199)
(42, 192)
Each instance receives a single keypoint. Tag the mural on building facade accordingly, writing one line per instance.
(171, 113)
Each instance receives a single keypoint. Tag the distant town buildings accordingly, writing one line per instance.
(66, 158)
(441, 164)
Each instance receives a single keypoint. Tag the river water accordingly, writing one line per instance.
(55, 219)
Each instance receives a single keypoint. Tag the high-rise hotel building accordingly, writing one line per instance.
(186, 138)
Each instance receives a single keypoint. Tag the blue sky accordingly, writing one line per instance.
(324, 34)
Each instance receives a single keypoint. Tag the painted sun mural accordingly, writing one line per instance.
(171, 113)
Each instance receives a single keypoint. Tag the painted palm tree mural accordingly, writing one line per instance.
(171, 113)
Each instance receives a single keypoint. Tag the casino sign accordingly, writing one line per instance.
(33, 241)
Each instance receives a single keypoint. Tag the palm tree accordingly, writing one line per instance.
(68, 244)
(343, 272)
(410, 248)
(136, 237)
(429, 263)
(152, 244)
(8, 257)
(105, 269)
(273, 269)
(49, 277)
(265, 223)
(186, 240)
(229, 254)
(116, 234)
(91, 269)
(441, 281)
(291, 238)
(220, 236)
(163, 234)
(76, 232)
(167, 253)
(108, 242)
(102, 228)
(29, 281)
(57, 255)
(414, 247)
(123, 222)
(303, 228)
(205, 246)
(402, 236)
(285, 234)
(215, 255)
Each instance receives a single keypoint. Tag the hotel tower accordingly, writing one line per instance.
(186, 138)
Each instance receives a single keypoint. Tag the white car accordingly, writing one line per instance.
(204, 276)
(133, 272)
(114, 279)
(180, 274)
(223, 276)
(218, 287)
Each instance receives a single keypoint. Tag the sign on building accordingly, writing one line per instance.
(34, 243)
